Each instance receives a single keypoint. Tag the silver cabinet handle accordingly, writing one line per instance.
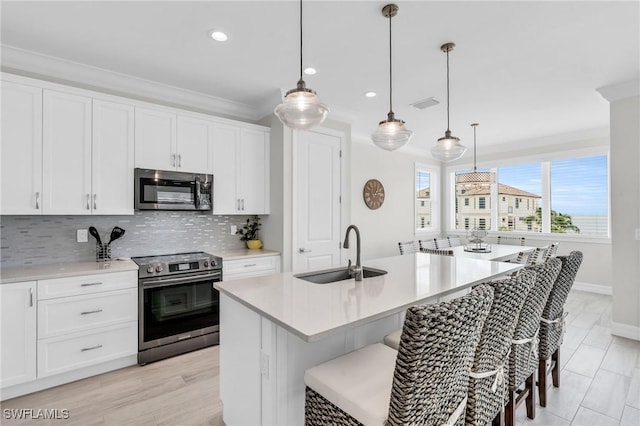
(38, 200)
(243, 204)
(173, 160)
(304, 250)
(88, 201)
(238, 204)
(179, 160)
(30, 297)
(91, 312)
(91, 348)
(95, 203)
(88, 284)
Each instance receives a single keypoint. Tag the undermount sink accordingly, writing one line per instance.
(338, 274)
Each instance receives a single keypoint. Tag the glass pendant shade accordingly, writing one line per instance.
(301, 108)
(391, 134)
(448, 148)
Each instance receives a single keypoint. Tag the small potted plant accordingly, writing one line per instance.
(249, 233)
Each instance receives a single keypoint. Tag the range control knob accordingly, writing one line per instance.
(150, 269)
(213, 262)
(159, 268)
(206, 263)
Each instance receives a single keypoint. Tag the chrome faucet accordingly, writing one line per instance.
(354, 271)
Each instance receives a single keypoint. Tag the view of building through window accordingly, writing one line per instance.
(423, 199)
(578, 203)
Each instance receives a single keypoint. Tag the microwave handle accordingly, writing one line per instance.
(196, 196)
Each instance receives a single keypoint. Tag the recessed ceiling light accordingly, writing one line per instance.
(218, 35)
(310, 71)
(370, 94)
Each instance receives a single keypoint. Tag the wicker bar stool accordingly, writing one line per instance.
(424, 382)
(552, 325)
(523, 358)
(427, 244)
(442, 252)
(407, 247)
(487, 383)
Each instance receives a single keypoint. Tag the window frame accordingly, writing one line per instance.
(545, 160)
(434, 185)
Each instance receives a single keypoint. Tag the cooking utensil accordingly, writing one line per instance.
(116, 233)
(94, 233)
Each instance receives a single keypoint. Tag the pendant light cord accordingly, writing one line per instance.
(300, 40)
(475, 169)
(390, 69)
(448, 90)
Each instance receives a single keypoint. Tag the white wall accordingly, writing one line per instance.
(383, 228)
(625, 206)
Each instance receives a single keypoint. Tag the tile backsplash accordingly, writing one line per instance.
(38, 240)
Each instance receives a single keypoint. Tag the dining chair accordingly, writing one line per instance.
(537, 256)
(487, 382)
(442, 243)
(424, 382)
(552, 326)
(551, 251)
(442, 252)
(515, 241)
(523, 357)
(427, 244)
(407, 247)
(454, 241)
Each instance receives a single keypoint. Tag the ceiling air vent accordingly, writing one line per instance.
(425, 103)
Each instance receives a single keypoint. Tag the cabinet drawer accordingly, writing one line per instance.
(255, 266)
(78, 313)
(86, 284)
(70, 352)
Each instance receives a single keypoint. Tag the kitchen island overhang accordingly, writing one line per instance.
(275, 327)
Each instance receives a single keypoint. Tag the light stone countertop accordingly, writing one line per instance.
(244, 253)
(61, 270)
(314, 311)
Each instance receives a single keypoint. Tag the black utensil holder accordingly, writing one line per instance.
(103, 253)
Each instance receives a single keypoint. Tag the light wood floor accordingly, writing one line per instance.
(600, 384)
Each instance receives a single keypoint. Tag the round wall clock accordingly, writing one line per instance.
(373, 194)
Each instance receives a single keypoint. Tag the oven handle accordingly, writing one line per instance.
(159, 283)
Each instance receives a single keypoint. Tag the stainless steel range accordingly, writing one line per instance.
(178, 306)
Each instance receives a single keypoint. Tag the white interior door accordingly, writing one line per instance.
(318, 182)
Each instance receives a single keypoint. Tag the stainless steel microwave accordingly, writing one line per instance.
(168, 190)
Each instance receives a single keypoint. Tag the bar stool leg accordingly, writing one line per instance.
(555, 372)
(530, 385)
(542, 382)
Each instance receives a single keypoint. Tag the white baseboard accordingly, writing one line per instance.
(593, 288)
(625, 330)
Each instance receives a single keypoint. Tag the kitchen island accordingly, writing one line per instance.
(273, 328)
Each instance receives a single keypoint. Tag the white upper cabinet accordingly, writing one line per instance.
(66, 150)
(112, 158)
(21, 153)
(240, 170)
(166, 141)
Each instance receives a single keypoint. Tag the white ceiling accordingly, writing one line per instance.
(523, 70)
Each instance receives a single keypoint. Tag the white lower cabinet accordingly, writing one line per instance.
(18, 322)
(85, 325)
(250, 267)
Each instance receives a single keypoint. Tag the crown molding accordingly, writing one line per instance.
(33, 64)
(619, 91)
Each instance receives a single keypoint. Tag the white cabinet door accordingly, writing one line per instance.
(226, 152)
(21, 149)
(18, 322)
(155, 139)
(66, 149)
(253, 172)
(194, 145)
(112, 158)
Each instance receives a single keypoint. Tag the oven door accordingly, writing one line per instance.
(177, 308)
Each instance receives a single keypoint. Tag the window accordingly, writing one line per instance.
(516, 184)
(579, 196)
(474, 190)
(424, 198)
(569, 196)
(466, 201)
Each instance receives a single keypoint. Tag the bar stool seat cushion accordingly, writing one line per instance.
(358, 383)
(393, 340)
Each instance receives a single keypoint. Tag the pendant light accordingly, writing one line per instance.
(301, 108)
(391, 133)
(475, 179)
(448, 147)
